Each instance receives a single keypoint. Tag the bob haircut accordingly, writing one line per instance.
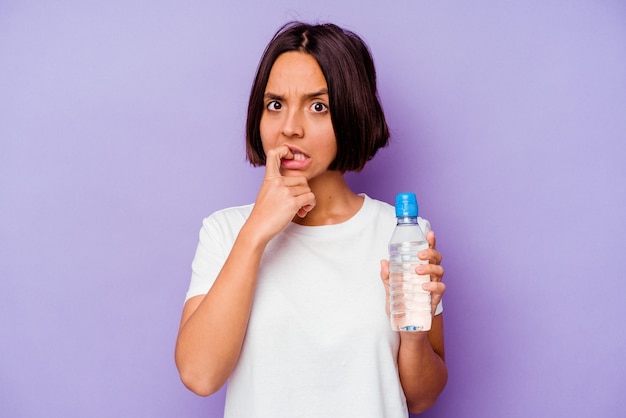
(356, 114)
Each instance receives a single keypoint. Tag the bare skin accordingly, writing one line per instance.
(299, 144)
(421, 358)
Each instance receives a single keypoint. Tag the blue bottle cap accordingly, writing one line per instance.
(406, 205)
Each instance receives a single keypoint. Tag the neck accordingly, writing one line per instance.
(335, 202)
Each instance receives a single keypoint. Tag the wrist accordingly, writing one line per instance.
(413, 338)
(252, 238)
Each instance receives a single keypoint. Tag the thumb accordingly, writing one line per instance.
(384, 275)
(384, 272)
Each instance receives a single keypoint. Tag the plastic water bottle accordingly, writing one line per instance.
(409, 304)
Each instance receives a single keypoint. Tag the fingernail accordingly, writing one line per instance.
(420, 269)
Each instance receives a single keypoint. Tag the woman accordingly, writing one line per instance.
(285, 300)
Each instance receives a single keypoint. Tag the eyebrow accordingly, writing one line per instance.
(273, 96)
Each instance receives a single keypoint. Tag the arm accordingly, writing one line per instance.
(213, 326)
(423, 372)
(421, 360)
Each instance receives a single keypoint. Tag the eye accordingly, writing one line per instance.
(319, 107)
(274, 105)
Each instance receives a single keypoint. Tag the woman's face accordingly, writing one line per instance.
(296, 115)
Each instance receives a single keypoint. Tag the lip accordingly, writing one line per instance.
(300, 161)
(296, 150)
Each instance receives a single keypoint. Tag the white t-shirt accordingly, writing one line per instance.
(318, 343)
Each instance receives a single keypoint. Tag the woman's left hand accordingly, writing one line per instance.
(436, 287)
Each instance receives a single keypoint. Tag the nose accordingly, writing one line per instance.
(292, 125)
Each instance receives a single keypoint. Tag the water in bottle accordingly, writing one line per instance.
(409, 304)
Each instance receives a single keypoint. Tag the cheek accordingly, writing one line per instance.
(332, 143)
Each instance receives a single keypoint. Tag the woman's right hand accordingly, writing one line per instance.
(212, 332)
(280, 197)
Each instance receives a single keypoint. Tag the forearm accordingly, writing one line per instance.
(423, 372)
(212, 331)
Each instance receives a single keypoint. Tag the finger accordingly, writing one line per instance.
(433, 270)
(433, 256)
(272, 160)
(435, 298)
(306, 203)
(432, 241)
(304, 210)
(436, 289)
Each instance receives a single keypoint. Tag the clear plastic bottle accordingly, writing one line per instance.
(409, 304)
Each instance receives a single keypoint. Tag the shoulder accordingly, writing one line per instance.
(379, 215)
(226, 221)
(231, 214)
(378, 207)
(385, 211)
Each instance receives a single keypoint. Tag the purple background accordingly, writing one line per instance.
(121, 126)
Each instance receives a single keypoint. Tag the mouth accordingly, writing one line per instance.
(297, 153)
(299, 160)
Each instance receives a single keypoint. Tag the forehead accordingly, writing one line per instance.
(296, 70)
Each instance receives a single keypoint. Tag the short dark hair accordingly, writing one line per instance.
(356, 114)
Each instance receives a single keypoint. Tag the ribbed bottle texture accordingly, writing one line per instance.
(409, 304)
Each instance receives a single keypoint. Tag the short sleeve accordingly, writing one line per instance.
(216, 238)
(208, 259)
